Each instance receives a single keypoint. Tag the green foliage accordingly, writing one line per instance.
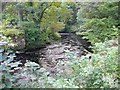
(5, 44)
(99, 30)
(33, 36)
(12, 32)
(98, 71)
(44, 20)
(98, 22)
(9, 14)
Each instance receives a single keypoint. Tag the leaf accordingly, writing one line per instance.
(8, 84)
(32, 64)
(14, 64)
(2, 86)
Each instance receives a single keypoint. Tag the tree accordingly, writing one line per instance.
(98, 21)
(40, 21)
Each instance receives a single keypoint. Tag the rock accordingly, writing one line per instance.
(54, 46)
(56, 57)
(20, 41)
(56, 51)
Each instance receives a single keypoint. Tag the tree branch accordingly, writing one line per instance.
(42, 13)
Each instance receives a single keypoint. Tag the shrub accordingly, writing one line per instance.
(12, 32)
(97, 70)
(99, 30)
(34, 37)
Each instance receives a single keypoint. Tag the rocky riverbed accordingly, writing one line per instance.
(52, 53)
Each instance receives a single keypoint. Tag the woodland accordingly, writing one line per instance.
(59, 45)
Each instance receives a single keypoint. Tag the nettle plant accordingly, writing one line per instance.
(5, 58)
(97, 70)
(13, 75)
(10, 72)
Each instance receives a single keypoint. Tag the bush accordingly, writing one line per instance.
(99, 30)
(99, 70)
(12, 32)
(34, 37)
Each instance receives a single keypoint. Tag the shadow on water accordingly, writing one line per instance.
(24, 56)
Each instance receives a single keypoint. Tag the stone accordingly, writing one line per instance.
(20, 41)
